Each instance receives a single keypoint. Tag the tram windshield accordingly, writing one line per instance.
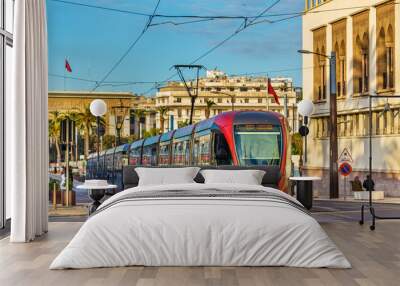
(258, 144)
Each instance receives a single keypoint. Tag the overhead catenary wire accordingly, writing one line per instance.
(242, 27)
(248, 20)
(125, 54)
(127, 83)
(104, 83)
(216, 17)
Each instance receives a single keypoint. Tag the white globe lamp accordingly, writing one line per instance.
(98, 107)
(305, 107)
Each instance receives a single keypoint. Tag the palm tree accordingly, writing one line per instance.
(183, 123)
(54, 132)
(162, 110)
(139, 114)
(209, 104)
(85, 121)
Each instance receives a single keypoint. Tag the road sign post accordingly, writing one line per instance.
(345, 169)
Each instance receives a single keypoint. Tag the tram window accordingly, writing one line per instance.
(164, 155)
(117, 161)
(221, 150)
(150, 155)
(134, 157)
(201, 150)
(258, 145)
(181, 154)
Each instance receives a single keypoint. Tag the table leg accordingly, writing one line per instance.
(305, 193)
(96, 196)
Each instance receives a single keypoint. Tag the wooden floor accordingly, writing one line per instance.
(375, 257)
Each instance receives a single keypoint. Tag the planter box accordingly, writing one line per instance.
(71, 200)
(58, 196)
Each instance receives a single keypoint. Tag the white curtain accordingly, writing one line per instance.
(26, 120)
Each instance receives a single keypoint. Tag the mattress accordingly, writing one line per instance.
(201, 225)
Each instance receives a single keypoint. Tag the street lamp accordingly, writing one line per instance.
(305, 108)
(119, 119)
(98, 108)
(333, 151)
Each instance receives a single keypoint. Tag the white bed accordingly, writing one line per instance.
(203, 225)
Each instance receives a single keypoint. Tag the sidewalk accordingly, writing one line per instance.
(386, 200)
(78, 210)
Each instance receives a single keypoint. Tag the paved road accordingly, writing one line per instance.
(331, 211)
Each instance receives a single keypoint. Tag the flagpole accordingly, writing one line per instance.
(267, 93)
(65, 72)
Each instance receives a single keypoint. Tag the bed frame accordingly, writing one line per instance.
(271, 178)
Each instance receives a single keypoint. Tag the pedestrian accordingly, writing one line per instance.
(356, 185)
(369, 184)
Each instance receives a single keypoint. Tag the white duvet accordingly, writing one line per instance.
(202, 231)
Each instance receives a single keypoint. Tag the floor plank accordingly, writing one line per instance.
(375, 257)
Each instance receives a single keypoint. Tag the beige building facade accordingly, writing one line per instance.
(364, 36)
(121, 107)
(228, 93)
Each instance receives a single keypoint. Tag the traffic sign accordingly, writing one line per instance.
(345, 169)
(345, 156)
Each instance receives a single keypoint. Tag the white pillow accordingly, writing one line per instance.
(166, 176)
(248, 177)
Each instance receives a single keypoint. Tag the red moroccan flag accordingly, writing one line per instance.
(272, 92)
(67, 66)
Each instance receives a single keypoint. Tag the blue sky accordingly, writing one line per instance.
(93, 40)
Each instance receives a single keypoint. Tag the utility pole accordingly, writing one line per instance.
(333, 151)
(333, 142)
(67, 163)
(194, 95)
(293, 118)
(119, 112)
(286, 111)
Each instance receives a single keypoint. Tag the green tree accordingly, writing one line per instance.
(54, 131)
(85, 121)
(297, 144)
(151, 132)
(108, 141)
(209, 105)
(183, 123)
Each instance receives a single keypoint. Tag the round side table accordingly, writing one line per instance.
(304, 190)
(96, 193)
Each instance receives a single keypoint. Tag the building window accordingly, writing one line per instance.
(385, 46)
(179, 112)
(319, 63)
(246, 100)
(178, 100)
(361, 52)
(260, 100)
(219, 100)
(339, 47)
(243, 89)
